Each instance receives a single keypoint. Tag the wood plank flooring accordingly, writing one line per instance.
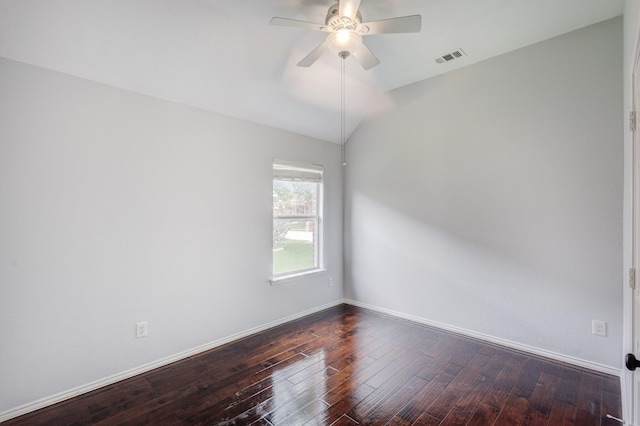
(349, 366)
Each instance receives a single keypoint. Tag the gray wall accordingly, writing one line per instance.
(490, 198)
(118, 208)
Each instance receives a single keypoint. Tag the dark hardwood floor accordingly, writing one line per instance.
(347, 366)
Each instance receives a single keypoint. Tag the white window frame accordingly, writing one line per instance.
(302, 172)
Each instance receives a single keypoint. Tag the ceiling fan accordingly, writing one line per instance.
(345, 27)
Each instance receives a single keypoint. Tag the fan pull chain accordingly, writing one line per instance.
(343, 55)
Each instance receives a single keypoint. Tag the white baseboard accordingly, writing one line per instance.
(496, 340)
(62, 396)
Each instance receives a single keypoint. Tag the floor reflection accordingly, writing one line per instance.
(298, 389)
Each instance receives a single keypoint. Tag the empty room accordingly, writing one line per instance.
(319, 212)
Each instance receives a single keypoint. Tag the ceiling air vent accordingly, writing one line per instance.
(450, 56)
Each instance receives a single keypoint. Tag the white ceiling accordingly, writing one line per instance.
(223, 56)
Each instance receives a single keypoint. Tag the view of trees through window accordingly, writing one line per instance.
(295, 226)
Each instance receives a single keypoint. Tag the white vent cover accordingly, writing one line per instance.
(450, 56)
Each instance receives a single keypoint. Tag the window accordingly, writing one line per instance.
(297, 218)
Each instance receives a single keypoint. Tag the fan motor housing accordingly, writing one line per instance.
(334, 21)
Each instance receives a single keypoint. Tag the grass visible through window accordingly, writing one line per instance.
(293, 256)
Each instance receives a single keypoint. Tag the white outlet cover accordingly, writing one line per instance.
(599, 328)
(142, 329)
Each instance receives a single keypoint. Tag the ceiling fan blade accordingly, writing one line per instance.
(348, 8)
(315, 54)
(366, 57)
(403, 24)
(286, 22)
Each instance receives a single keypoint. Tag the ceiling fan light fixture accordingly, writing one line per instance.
(343, 36)
(344, 40)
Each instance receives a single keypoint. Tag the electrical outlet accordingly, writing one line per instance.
(599, 328)
(330, 282)
(141, 329)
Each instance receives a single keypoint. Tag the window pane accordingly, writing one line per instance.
(297, 205)
(294, 198)
(294, 245)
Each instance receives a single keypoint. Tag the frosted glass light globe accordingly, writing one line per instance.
(344, 40)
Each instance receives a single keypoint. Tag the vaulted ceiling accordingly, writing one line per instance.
(223, 56)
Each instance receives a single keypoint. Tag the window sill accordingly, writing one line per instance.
(295, 277)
